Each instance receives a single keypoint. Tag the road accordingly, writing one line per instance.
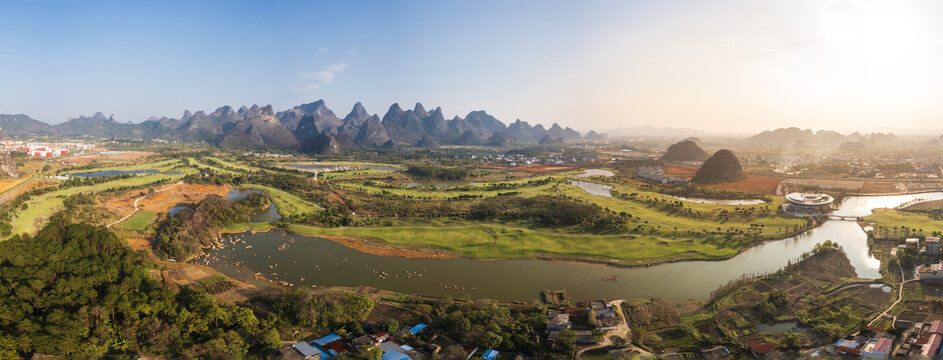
(137, 201)
(11, 193)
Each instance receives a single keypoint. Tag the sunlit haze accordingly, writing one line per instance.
(721, 66)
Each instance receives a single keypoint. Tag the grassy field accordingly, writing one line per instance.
(42, 207)
(235, 165)
(487, 241)
(140, 221)
(468, 190)
(889, 222)
(637, 208)
(243, 227)
(162, 166)
(287, 203)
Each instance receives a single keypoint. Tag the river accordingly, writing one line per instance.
(322, 262)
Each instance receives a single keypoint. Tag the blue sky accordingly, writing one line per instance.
(727, 65)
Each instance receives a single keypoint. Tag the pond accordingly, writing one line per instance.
(593, 188)
(595, 172)
(113, 173)
(322, 262)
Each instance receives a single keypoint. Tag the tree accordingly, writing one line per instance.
(566, 341)
(390, 326)
(617, 341)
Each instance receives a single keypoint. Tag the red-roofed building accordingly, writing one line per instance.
(760, 348)
(936, 327)
(933, 344)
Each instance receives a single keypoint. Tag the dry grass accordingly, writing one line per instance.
(753, 183)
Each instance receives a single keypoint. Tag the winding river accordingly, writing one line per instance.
(312, 261)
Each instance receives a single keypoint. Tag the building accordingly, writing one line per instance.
(715, 352)
(307, 351)
(933, 245)
(760, 348)
(557, 321)
(934, 272)
(808, 204)
(877, 348)
(912, 243)
(490, 354)
(932, 346)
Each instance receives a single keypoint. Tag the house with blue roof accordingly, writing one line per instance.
(416, 329)
(490, 354)
(394, 355)
(327, 339)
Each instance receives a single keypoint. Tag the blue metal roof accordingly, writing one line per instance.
(394, 355)
(490, 354)
(416, 329)
(327, 339)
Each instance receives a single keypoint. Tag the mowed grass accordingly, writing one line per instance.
(657, 217)
(466, 190)
(42, 207)
(162, 166)
(235, 165)
(487, 241)
(243, 227)
(287, 203)
(890, 219)
(140, 221)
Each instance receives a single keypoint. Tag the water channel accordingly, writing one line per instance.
(312, 261)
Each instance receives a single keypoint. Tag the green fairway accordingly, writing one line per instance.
(287, 203)
(140, 221)
(892, 222)
(243, 227)
(487, 241)
(40, 208)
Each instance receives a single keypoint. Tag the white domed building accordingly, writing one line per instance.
(808, 204)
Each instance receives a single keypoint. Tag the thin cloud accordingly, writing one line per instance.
(314, 80)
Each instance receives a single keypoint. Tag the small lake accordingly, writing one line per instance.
(173, 211)
(337, 166)
(323, 262)
(113, 173)
(721, 202)
(593, 188)
(595, 172)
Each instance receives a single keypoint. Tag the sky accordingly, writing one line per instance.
(722, 66)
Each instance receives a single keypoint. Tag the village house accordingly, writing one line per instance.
(557, 321)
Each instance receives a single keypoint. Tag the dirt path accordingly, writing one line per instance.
(900, 294)
(138, 200)
(622, 330)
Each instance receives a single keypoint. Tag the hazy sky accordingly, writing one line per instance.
(724, 65)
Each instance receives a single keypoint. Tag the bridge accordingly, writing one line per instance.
(844, 217)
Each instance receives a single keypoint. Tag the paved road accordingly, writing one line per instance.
(11, 193)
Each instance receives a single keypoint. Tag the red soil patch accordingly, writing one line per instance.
(753, 183)
(680, 171)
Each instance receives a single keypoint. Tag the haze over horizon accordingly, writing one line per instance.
(725, 66)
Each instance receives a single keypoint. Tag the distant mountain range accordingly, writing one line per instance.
(311, 127)
(798, 138)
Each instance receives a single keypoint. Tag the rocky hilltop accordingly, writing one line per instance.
(8, 167)
(721, 167)
(311, 127)
(686, 150)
